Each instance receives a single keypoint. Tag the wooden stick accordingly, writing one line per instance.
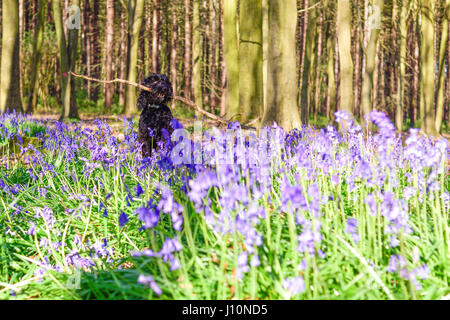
(178, 98)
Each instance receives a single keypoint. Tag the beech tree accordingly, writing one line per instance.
(67, 56)
(281, 77)
(10, 98)
(135, 15)
(344, 19)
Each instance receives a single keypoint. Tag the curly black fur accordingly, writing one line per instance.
(155, 115)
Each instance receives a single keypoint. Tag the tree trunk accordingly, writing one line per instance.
(265, 33)
(357, 78)
(123, 56)
(303, 27)
(187, 52)
(197, 55)
(213, 55)
(68, 51)
(223, 66)
(306, 63)
(231, 58)
(367, 96)
(155, 39)
(88, 46)
(95, 37)
(135, 15)
(206, 66)
(37, 45)
(441, 77)
(10, 98)
(317, 85)
(402, 62)
(331, 96)
(345, 58)
(427, 67)
(282, 79)
(173, 53)
(250, 59)
(109, 52)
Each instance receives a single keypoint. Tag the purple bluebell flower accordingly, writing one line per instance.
(352, 229)
(371, 202)
(254, 261)
(166, 203)
(294, 285)
(393, 242)
(139, 190)
(47, 214)
(423, 272)
(123, 219)
(44, 242)
(150, 282)
(175, 124)
(149, 216)
(309, 238)
(145, 252)
(396, 262)
(31, 231)
(242, 264)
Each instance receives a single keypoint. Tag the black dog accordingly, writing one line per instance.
(156, 118)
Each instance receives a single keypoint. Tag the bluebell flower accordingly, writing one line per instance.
(150, 282)
(139, 190)
(352, 229)
(294, 285)
(123, 219)
(149, 216)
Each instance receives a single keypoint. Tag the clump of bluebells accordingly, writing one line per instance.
(305, 214)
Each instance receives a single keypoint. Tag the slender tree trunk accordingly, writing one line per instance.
(331, 96)
(197, 54)
(427, 66)
(213, 54)
(37, 45)
(250, 59)
(123, 56)
(173, 53)
(448, 77)
(135, 16)
(68, 51)
(265, 48)
(317, 86)
(367, 96)
(10, 98)
(306, 62)
(155, 40)
(416, 81)
(345, 58)
(282, 79)
(365, 46)
(231, 58)
(357, 78)
(376, 76)
(303, 27)
(206, 66)
(21, 35)
(187, 53)
(109, 52)
(87, 31)
(95, 42)
(382, 72)
(223, 65)
(441, 77)
(402, 62)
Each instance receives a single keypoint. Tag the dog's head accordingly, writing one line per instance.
(161, 92)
